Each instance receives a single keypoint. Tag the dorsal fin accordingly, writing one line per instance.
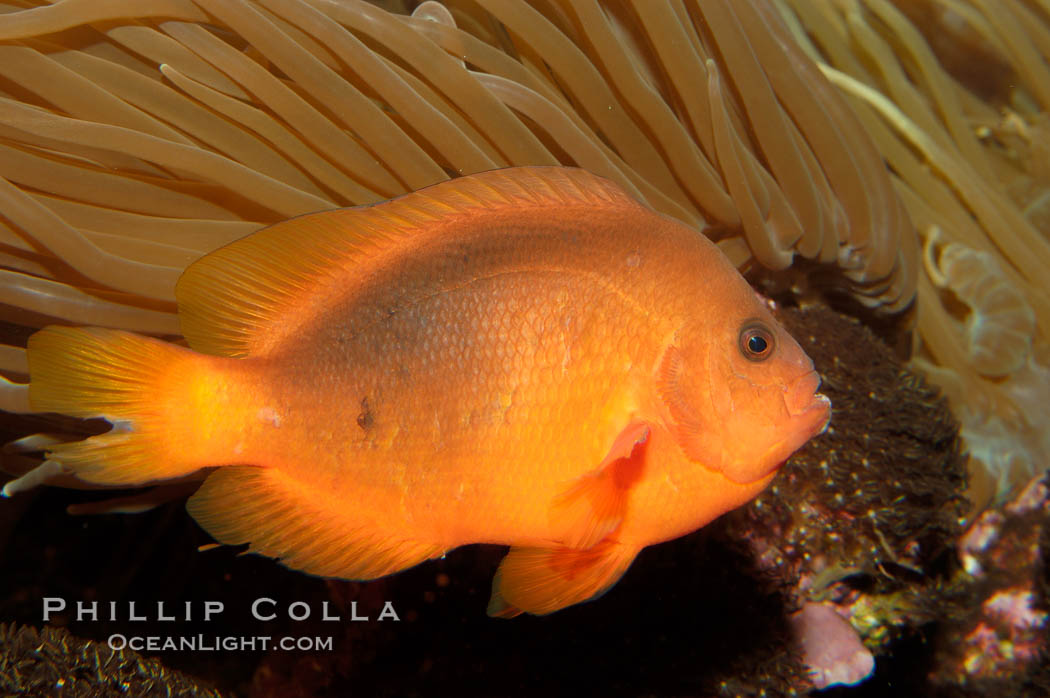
(242, 298)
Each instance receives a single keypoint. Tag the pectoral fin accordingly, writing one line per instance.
(544, 580)
(595, 506)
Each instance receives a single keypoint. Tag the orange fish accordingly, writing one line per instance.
(525, 356)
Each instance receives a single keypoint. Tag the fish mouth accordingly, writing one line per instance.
(803, 402)
(808, 415)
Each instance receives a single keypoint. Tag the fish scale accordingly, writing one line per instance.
(445, 454)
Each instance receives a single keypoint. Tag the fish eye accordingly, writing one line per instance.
(756, 341)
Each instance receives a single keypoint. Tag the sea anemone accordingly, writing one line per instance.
(134, 143)
(135, 138)
(967, 146)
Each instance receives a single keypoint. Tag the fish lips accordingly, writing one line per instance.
(810, 409)
(808, 415)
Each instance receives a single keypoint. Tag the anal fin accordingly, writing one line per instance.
(301, 525)
(544, 580)
(595, 506)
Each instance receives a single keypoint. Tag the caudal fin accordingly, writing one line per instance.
(138, 384)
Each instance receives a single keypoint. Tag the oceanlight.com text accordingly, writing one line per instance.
(217, 643)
